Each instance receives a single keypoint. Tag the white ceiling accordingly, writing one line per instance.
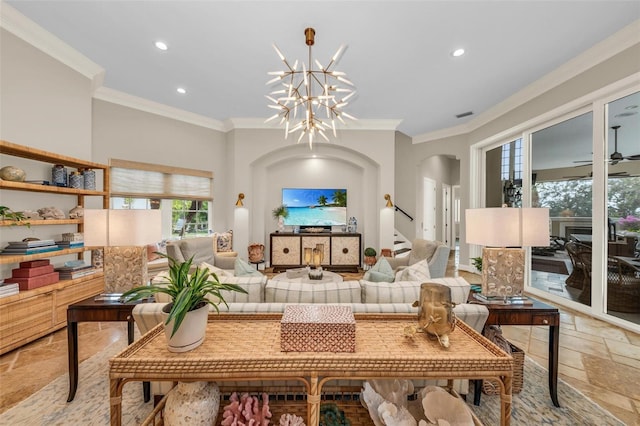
(398, 52)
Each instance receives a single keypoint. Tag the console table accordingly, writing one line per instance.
(93, 310)
(342, 250)
(537, 314)
(382, 352)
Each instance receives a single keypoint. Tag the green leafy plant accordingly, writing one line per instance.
(370, 251)
(280, 211)
(187, 291)
(477, 262)
(7, 214)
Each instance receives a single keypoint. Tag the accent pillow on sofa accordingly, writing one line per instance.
(459, 288)
(224, 262)
(384, 292)
(416, 272)
(215, 270)
(254, 286)
(224, 241)
(380, 272)
(289, 292)
(242, 268)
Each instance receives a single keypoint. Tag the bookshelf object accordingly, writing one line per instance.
(40, 306)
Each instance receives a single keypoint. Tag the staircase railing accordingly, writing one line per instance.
(398, 209)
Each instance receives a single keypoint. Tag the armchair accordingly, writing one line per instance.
(203, 249)
(436, 253)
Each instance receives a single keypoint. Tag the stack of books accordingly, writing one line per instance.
(8, 289)
(33, 274)
(501, 300)
(71, 272)
(70, 244)
(30, 247)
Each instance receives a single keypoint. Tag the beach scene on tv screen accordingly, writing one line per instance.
(315, 207)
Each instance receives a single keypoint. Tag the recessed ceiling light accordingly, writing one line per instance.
(161, 45)
(457, 52)
(181, 90)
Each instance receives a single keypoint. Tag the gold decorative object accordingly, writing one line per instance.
(435, 314)
(313, 91)
(239, 203)
(388, 198)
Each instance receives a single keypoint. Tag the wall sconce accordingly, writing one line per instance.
(239, 203)
(388, 198)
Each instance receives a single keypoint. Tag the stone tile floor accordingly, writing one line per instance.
(600, 360)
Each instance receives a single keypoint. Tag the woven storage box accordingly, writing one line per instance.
(317, 328)
(72, 236)
(491, 387)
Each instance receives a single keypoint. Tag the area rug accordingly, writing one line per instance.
(91, 405)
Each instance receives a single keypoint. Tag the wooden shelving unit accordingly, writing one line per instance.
(32, 314)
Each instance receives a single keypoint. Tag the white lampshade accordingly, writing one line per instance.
(122, 227)
(507, 227)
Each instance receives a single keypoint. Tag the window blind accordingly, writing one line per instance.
(145, 180)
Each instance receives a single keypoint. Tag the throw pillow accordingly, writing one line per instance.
(243, 269)
(380, 272)
(224, 241)
(417, 272)
(378, 277)
(151, 252)
(220, 273)
(224, 262)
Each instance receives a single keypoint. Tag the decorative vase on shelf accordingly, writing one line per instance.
(280, 224)
(192, 403)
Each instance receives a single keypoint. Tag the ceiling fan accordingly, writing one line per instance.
(616, 156)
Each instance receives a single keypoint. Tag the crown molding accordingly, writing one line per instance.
(27, 30)
(141, 104)
(600, 52)
(259, 123)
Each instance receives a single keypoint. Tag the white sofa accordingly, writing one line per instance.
(363, 296)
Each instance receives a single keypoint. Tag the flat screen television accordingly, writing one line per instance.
(315, 206)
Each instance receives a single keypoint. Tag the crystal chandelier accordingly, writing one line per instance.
(315, 92)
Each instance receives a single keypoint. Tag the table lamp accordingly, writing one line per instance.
(124, 234)
(504, 232)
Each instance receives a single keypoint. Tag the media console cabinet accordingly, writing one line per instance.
(342, 250)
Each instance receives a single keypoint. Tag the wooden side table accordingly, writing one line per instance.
(93, 310)
(537, 314)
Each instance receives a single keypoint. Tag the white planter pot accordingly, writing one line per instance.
(191, 332)
(192, 403)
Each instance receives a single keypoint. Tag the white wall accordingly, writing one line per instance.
(128, 134)
(263, 163)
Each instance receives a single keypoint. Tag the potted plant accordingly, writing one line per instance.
(17, 217)
(280, 213)
(190, 295)
(477, 262)
(370, 256)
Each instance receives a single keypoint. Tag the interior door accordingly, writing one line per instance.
(447, 216)
(429, 210)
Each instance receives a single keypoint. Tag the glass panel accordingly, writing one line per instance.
(623, 206)
(561, 157)
(504, 175)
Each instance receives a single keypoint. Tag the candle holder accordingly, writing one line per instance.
(316, 274)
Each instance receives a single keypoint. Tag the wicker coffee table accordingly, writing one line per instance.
(382, 351)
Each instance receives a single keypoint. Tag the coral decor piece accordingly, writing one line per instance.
(386, 401)
(440, 406)
(291, 420)
(246, 411)
(51, 213)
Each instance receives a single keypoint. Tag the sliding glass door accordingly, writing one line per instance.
(622, 283)
(561, 164)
